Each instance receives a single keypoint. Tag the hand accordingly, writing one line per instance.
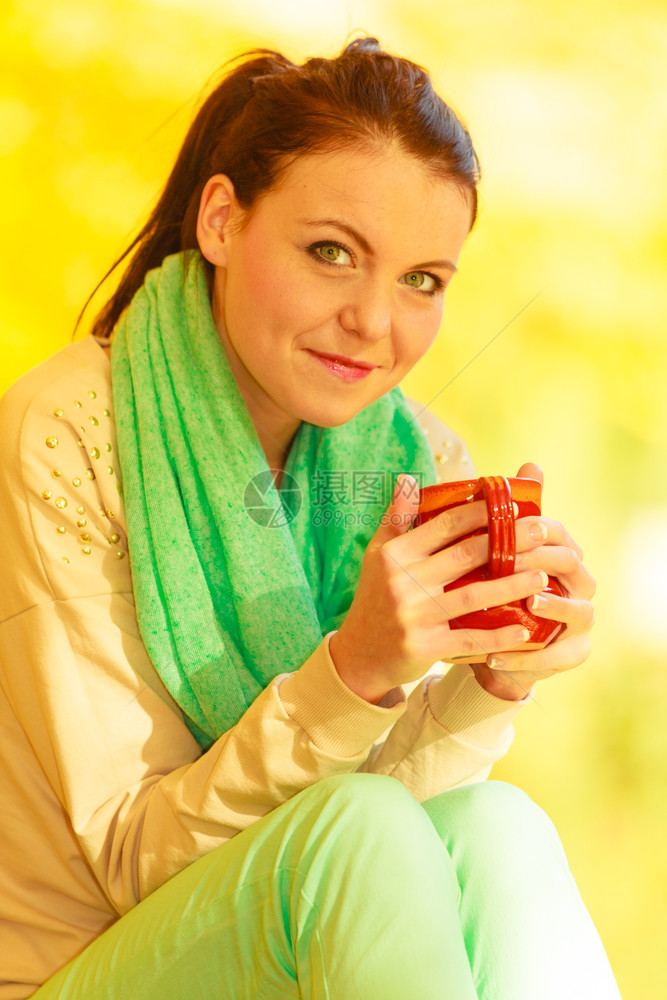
(512, 675)
(398, 623)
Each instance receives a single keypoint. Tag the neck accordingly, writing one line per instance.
(275, 428)
(275, 446)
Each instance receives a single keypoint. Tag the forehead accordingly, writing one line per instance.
(386, 193)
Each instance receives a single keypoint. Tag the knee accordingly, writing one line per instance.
(492, 817)
(372, 807)
(507, 808)
(367, 797)
(369, 825)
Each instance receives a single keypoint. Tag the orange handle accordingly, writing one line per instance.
(502, 534)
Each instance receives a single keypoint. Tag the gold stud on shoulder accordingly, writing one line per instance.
(106, 413)
(81, 510)
(91, 394)
(85, 537)
(46, 495)
(86, 550)
(57, 473)
(61, 529)
(120, 555)
(78, 404)
(81, 523)
(94, 452)
(110, 470)
(108, 446)
(90, 474)
(76, 481)
(58, 412)
(61, 502)
(52, 442)
(94, 421)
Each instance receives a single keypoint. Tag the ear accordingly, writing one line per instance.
(218, 211)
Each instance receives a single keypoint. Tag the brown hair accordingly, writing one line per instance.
(268, 111)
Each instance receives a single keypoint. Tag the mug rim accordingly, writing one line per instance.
(431, 497)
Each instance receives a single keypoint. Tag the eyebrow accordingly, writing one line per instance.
(365, 245)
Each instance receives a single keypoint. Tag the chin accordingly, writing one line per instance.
(332, 416)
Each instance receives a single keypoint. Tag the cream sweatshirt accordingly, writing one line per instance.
(105, 793)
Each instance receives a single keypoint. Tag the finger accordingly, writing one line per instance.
(531, 471)
(558, 657)
(579, 615)
(401, 512)
(556, 532)
(445, 528)
(474, 644)
(459, 558)
(530, 532)
(562, 563)
(454, 561)
(481, 595)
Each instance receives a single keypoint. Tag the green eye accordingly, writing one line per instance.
(415, 279)
(330, 252)
(421, 280)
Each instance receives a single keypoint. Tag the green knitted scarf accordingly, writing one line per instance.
(236, 581)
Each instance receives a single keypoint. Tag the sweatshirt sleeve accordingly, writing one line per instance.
(451, 734)
(134, 792)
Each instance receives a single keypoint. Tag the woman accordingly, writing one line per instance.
(182, 745)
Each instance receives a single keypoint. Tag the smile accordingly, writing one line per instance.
(343, 368)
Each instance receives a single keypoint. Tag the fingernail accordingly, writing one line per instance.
(494, 662)
(538, 601)
(515, 508)
(538, 532)
(540, 579)
(521, 635)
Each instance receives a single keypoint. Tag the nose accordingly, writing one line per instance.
(367, 312)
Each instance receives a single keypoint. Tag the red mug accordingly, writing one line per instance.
(499, 494)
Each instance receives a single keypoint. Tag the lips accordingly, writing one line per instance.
(342, 360)
(341, 368)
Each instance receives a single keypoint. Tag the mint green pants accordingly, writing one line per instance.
(351, 890)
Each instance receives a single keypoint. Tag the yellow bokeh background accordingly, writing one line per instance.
(553, 348)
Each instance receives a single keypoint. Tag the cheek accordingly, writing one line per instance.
(279, 300)
(417, 334)
(255, 285)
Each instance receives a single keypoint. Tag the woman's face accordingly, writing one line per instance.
(349, 255)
